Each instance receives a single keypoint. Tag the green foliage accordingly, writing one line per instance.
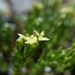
(51, 17)
(6, 38)
(3, 64)
(26, 45)
(6, 44)
(56, 20)
(59, 60)
(30, 51)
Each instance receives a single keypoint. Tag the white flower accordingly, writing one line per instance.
(40, 36)
(31, 40)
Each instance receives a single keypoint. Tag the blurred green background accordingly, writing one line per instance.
(56, 18)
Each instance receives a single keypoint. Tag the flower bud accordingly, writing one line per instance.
(19, 42)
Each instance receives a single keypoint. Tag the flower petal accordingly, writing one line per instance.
(31, 40)
(44, 39)
(42, 33)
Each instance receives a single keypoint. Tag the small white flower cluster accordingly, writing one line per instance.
(32, 39)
